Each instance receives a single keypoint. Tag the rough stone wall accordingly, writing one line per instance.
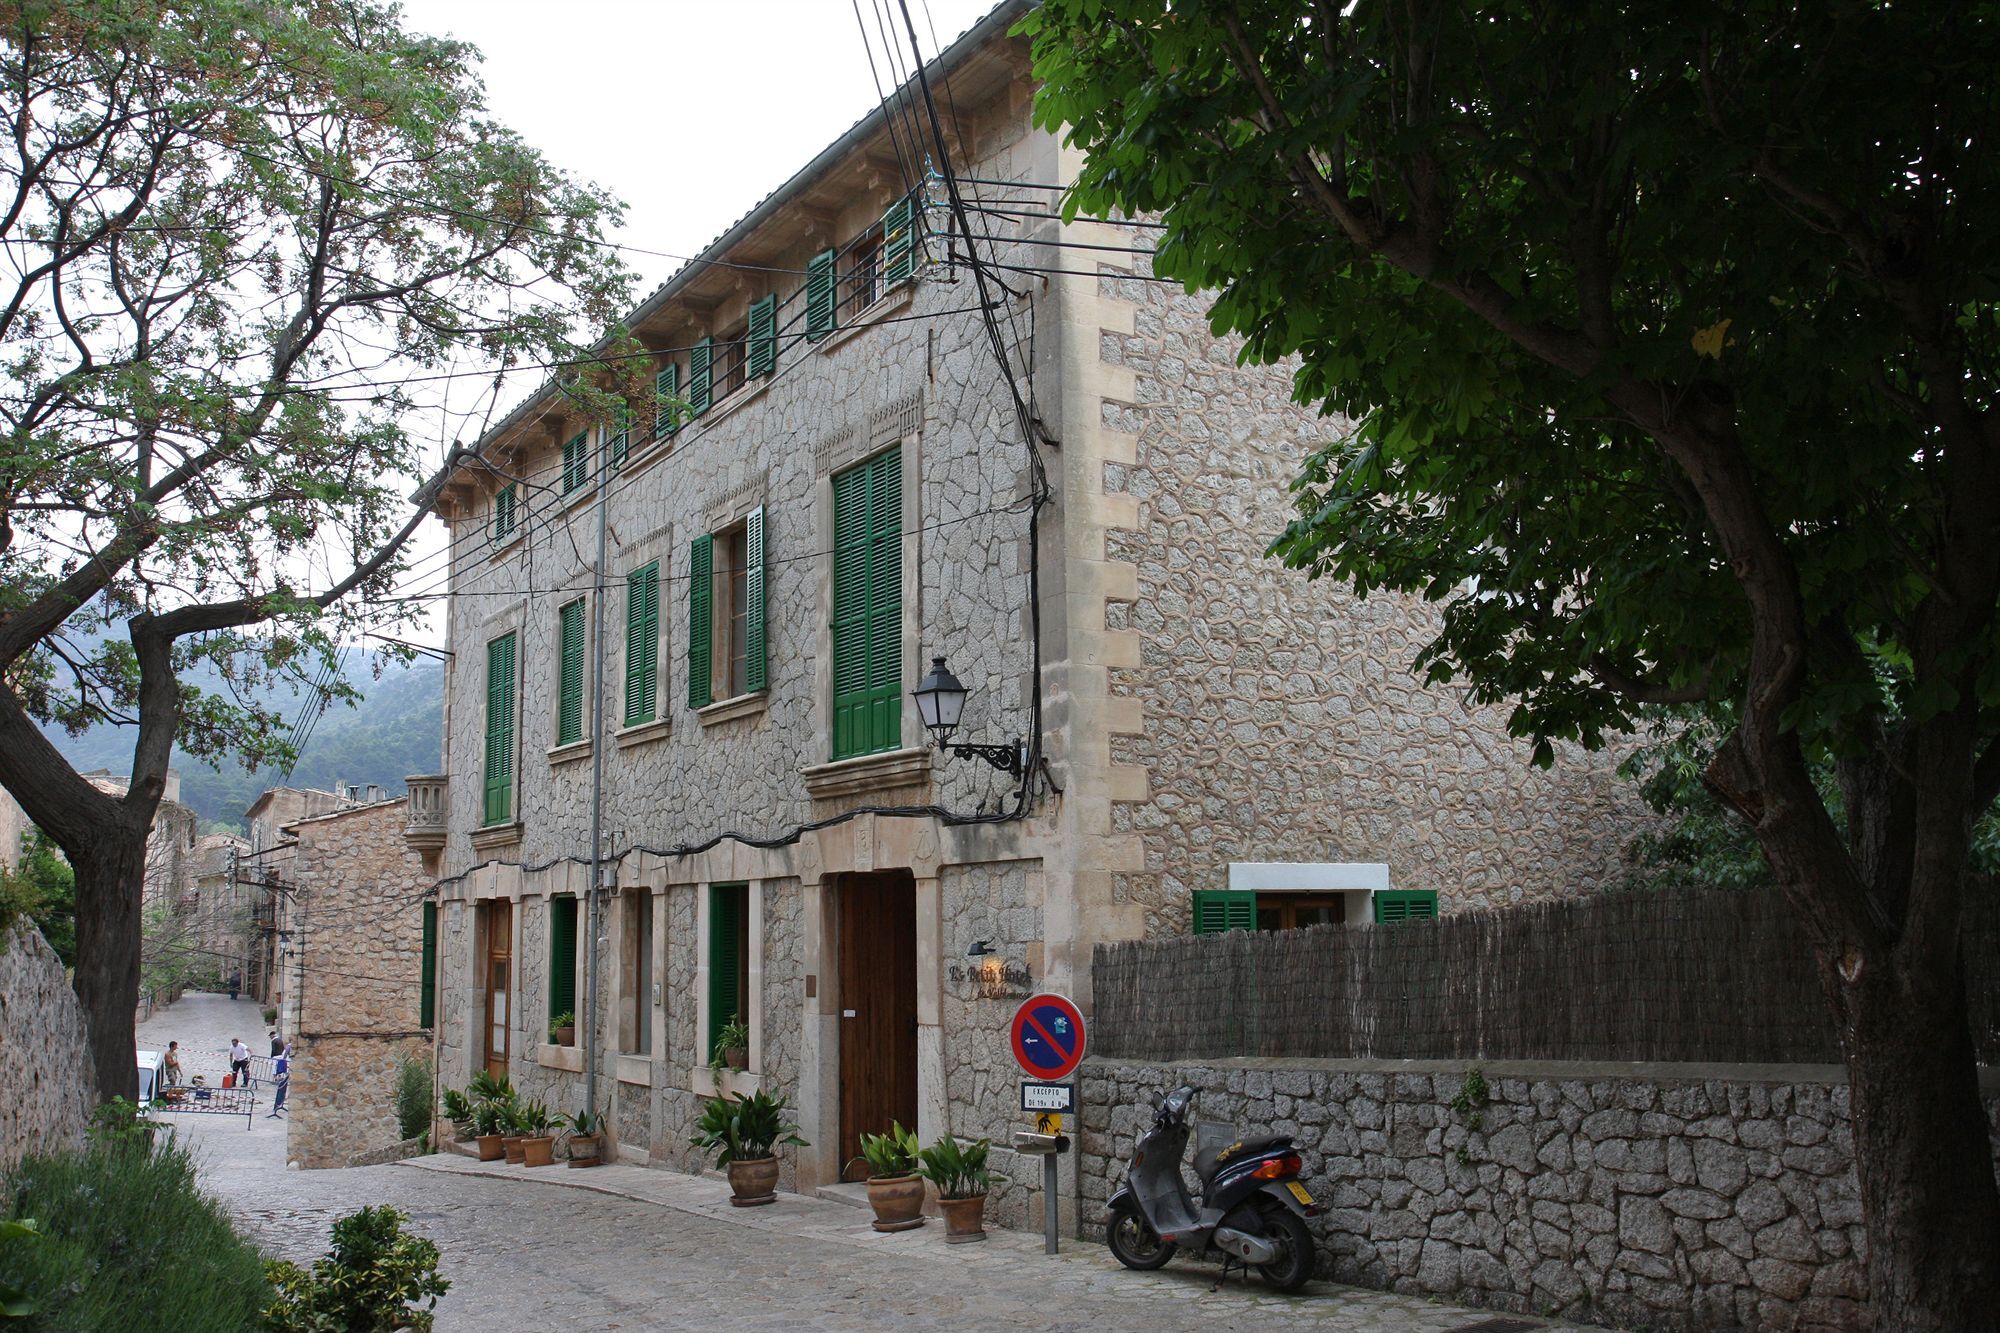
(1666, 1196)
(49, 1088)
(1282, 721)
(359, 913)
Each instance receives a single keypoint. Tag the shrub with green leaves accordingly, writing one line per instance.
(121, 1216)
(891, 1154)
(957, 1169)
(413, 1098)
(371, 1281)
(744, 1129)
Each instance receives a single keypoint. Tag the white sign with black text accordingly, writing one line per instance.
(1047, 1096)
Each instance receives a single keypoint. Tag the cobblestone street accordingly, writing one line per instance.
(624, 1247)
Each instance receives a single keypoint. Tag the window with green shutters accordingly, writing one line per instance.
(576, 462)
(505, 512)
(642, 644)
(667, 388)
(701, 370)
(761, 357)
(900, 226)
(562, 957)
(619, 444)
(868, 607)
(501, 682)
(756, 671)
(427, 1002)
(569, 673)
(728, 958)
(1218, 910)
(820, 295)
(701, 612)
(1406, 905)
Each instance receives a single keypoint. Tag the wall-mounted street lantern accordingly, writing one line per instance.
(979, 949)
(941, 703)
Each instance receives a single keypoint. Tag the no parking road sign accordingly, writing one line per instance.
(1048, 1037)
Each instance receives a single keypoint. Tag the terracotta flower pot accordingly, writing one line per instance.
(566, 1036)
(736, 1057)
(753, 1182)
(511, 1143)
(538, 1150)
(583, 1150)
(898, 1202)
(964, 1219)
(491, 1147)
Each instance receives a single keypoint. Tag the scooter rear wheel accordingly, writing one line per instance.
(1133, 1241)
(1294, 1264)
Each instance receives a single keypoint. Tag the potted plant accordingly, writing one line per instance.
(958, 1173)
(744, 1133)
(584, 1133)
(562, 1029)
(513, 1131)
(895, 1191)
(489, 1126)
(458, 1108)
(538, 1144)
(732, 1046)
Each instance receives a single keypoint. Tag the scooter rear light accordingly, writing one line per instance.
(1279, 1167)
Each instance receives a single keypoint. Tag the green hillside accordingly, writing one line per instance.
(395, 730)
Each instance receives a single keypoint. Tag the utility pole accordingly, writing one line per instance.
(594, 913)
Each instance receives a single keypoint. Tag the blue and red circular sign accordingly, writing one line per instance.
(1048, 1037)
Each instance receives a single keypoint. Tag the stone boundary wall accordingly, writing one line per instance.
(1667, 1196)
(396, 1152)
(44, 1056)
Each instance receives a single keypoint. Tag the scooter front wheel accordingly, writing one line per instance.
(1294, 1264)
(1133, 1241)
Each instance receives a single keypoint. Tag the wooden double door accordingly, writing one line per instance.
(498, 978)
(876, 921)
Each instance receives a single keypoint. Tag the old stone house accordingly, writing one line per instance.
(1169, 731)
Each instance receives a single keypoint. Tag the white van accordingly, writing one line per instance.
(149, 1078)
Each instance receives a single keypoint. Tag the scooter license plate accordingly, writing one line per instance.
(1299, 1192)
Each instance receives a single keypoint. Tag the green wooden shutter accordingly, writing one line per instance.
(701, 591)
(725, 987)
(821, 305)
(1218, 910)
(620, 442)
(504, 502)
(701, 375)
(868, 607)
(762, 356)
(569, 682)
(427, 1004)
(576, 462)
(1406, 905)
(642, 643)
(756, 675)
(667, 389)
(562, 955)
(899, 241)
(500, 730)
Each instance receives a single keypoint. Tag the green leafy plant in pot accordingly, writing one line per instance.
(895, 1190)
(537, 1124)
(562, 1029)
(732, 1046)
(958, 1172)
(744, 1134)
(513, 1132)
(583, 1137)
(490, 1126)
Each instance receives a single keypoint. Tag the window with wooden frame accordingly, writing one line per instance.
(506, 512)
(728, 960)
(642, 644)
(859, 270)
(562, 960)
(667, 397)
(576, 463)
(569, 672)
(1219, 910)
(729, 366)
(427, 1002)
(868, 606)
(502, 683)
(1296, 911)
(727, 633)
(636, 973)
(1395, 905)
(618, 439)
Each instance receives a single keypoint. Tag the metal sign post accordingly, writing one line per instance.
(1048, 1147)
(1048, 1040)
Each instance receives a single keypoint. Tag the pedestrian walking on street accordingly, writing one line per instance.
(170, 1067)
(239, 1061)
(281, 1079)
(277, 1045)
(235, 983)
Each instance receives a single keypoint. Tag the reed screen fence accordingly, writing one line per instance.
(1714, 976)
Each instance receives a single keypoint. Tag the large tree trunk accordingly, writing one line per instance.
(1922, 1153)
(110, 886)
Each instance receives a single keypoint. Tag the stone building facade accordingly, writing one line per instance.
(360, 910)
(50, 1088)
(781, 838)
(267, 873)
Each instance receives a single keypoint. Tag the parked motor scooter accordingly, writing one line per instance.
(1252, 1210)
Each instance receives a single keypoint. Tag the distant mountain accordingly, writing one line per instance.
(395, 730)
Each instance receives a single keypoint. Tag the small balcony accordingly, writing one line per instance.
(424, 822)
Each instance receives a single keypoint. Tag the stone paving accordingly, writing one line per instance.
(626, 1247)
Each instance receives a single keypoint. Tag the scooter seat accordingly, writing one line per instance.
(1258, 1143)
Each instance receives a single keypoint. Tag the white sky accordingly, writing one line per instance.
(689, 112)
